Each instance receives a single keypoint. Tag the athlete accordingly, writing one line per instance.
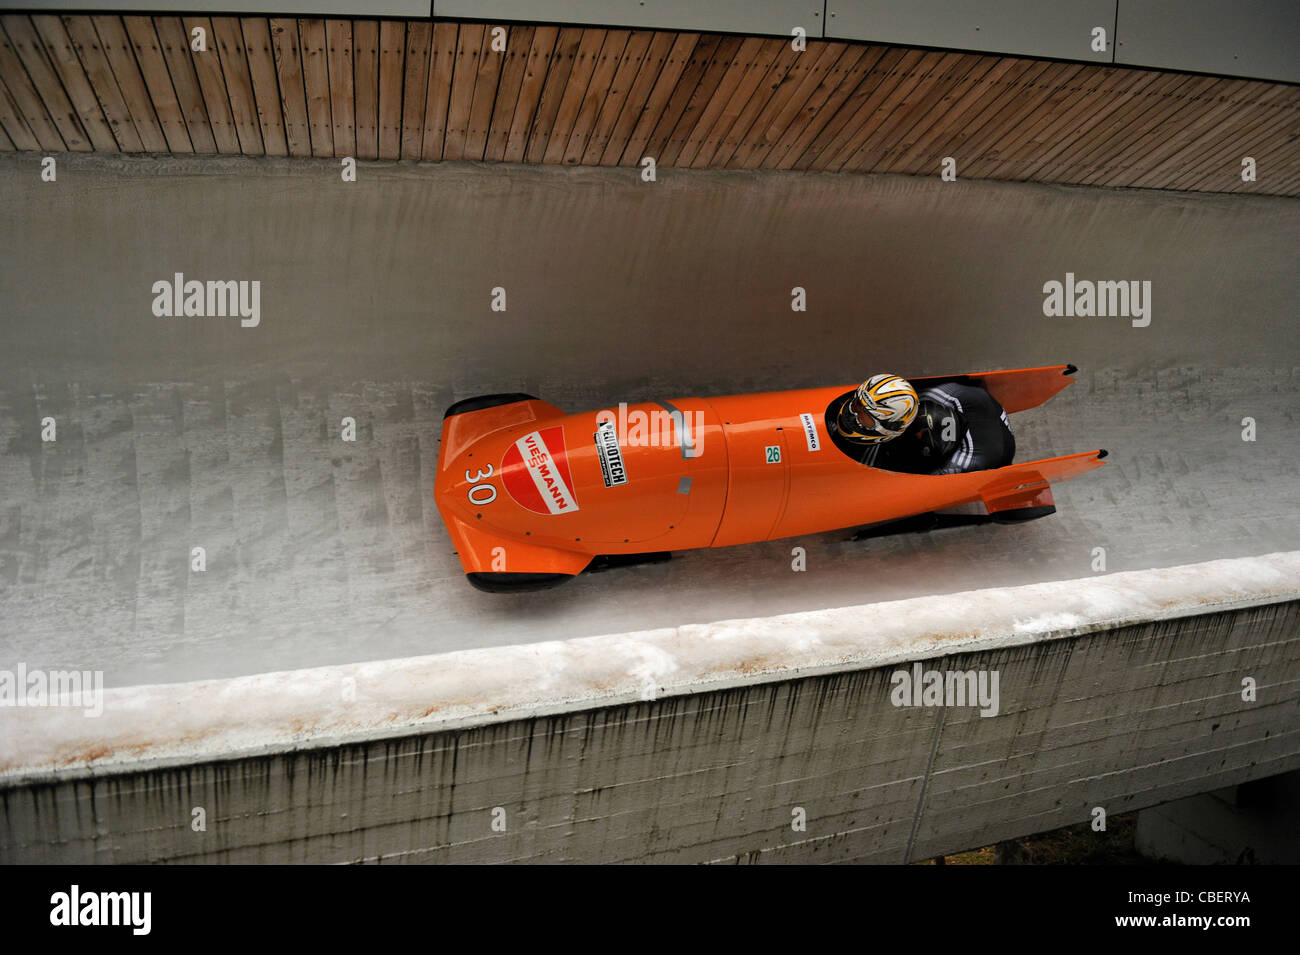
(960, 428)
(880, 410)
(947, 429)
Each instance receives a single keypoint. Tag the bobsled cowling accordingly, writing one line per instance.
(530, 494)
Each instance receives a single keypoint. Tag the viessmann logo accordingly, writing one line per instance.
(535, 472)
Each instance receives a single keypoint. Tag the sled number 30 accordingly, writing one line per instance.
(773, 454)
(481, 494)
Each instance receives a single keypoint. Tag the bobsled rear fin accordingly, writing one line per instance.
(1015, 390)
(1023, 492)
(1027, 485)
(1026, 504)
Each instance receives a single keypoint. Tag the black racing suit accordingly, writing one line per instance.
(987, 441)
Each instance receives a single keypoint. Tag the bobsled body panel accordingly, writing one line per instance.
(526, 489)
(646, 477)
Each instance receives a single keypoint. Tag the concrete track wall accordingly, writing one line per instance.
(1119, 692)
(175, 433)
(376, 304)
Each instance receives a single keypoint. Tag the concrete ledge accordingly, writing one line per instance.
(770, 740)
(168, 725)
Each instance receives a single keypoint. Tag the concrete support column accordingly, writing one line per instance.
(1254, 823)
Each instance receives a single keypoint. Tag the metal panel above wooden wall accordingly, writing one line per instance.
(1258, 38)
(1022, 27)
(772, 17)
(396, 89)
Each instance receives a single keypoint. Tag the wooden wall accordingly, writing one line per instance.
(393, 89)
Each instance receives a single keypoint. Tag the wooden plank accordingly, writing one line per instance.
(469, 47)
(392, 51)
(611, 137)
(1152, 127)
(809, 74)
(1005, 143)
(415, 86)
(1220, 171)
(1272, 143)
(118, 50)
(1178, 131)
(1280, 160)
(25, 53)
(158, 81)
(365, 86)
(490, 62)
(338, 37)
(442, 64)
(228, 37)
(1103, 158)
(1050, 87)
(540, 50)
(293, 90)
(13, 122)
(314, 53)
(1266, 128)
(1198, 139)
(175, 45)
(955, 71)
(212, 86)
(85, 41)
(6, 144)
(858, 148)
(513, 69)
(827, 106)
(63, 57)
(1004, 152)
(1275, 146)
(772, 85)
(954, 100)
(873, 87)
(1098, 98)
(671, 77)
(966, 142)
(553, 89)
(1120, 93)
(714, 72)
(747, 70)
(600, 90)
(1055, 88)
(584, 65)
(949, 130)
(27, 98)
(1267, 184)
(518, 48)
(266, 84)
(1106, 135)
(876, 109)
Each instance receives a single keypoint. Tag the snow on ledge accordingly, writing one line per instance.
(175, 724)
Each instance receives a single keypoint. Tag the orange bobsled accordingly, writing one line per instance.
(532, 496)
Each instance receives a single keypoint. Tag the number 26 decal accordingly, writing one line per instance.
(490, 491)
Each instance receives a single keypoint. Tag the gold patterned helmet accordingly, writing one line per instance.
(881, 408)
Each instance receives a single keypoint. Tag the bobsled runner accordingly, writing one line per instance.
(532, 496)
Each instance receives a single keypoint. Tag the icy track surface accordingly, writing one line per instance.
(375, 304)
